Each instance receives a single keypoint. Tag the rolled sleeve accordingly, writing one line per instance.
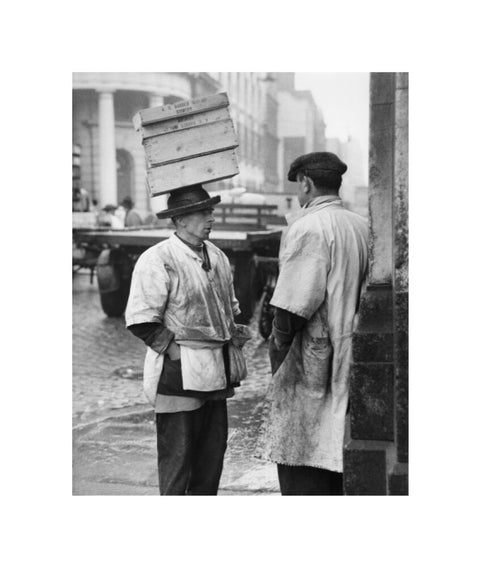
(285, 325)
(154, 335)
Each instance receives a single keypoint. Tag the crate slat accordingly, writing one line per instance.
(190, 143)
(185, 122)
(200, 169)
(182, 108)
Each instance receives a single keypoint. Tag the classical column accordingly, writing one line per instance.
(107, 149)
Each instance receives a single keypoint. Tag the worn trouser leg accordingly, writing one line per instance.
(190, 447)
(309, 481)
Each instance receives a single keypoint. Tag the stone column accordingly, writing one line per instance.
(107, 149)
(376, 452)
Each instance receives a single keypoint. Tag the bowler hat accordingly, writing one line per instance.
(187, 200)
(316, 163)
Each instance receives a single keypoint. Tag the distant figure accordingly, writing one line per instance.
(132, 216)
(151, 219)
(121, 213)
(81, 200)
(96, 212)
(107, 217)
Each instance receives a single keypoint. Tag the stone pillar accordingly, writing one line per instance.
(398, 476)
(375, 455)
(381, 167)
(107, 148)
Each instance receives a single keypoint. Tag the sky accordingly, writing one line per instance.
(343, 99)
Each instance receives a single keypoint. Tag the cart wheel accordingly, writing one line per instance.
(265, 320)
(114, 302)
(113, 282)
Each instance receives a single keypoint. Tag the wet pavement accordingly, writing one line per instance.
(113, 426)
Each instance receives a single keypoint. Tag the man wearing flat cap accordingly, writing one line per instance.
(323, 262)
(182, 305)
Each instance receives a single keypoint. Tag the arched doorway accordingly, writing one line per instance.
(125, 174)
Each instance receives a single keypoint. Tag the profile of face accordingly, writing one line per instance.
(196, 226)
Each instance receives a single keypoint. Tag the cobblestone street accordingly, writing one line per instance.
(112, 420)
(107, 359)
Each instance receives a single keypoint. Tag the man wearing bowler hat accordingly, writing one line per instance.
(182, 305)
(323, 261)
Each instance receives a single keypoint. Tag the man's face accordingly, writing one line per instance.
(199, 224)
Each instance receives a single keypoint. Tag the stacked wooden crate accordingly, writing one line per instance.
(188, 142)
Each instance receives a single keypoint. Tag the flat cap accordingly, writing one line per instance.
(318, 163)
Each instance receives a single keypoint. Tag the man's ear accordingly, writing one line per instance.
(180, 222)
(309, 185)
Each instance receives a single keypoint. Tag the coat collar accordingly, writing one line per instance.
(324, 200)
(312, 207)
(189, 252)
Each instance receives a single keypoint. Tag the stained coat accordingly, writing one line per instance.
(323, 263)
(169, 286)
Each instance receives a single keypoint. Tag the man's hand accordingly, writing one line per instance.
(173, 351)
(277, 353)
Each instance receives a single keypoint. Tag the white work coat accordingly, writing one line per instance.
(323, 262)
(170, 286)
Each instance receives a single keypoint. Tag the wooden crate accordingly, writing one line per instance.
(184, 144)
(188, 142)
(198, 169)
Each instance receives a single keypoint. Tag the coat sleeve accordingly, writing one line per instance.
(148, 292)
(285, 325)
(154, 335)
(304, 266)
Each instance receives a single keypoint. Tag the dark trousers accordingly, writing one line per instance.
(190, 448)
(309, 481)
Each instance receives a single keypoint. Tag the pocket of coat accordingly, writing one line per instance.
(317, 360)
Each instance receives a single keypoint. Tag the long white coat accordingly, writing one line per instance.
(322, 265)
